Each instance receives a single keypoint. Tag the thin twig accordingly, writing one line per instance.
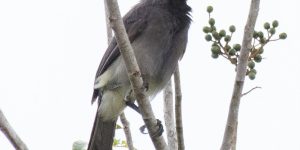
(178, 110)
(108, 28)
(134, 74)
(126, 128)
(257, 87)
(11, 134)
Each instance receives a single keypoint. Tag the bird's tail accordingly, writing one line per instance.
(102, 135)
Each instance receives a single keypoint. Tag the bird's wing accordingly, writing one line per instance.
(135, 23)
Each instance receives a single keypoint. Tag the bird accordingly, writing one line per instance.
(158, 33)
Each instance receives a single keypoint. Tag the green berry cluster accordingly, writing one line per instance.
(221, 40)
(221, 45)
(260, 39)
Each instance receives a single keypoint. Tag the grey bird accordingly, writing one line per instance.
(158, 32)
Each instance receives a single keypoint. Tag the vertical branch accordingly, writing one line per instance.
(232, 120)
(108, 28)
(169, 117)
(127, 131)
(9, 132)
(178, 111)
(134, 74)
(123, 119)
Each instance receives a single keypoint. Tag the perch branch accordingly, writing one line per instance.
(134, 74)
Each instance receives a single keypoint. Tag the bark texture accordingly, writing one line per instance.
(11, 134)
(178, 110)
(127, 131)
(125, 122)
(134, 74)
(230, 134)
(169, 117)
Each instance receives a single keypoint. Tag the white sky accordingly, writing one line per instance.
(50, 50)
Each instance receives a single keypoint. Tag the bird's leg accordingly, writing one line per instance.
(133, 106)
(145, 81)
(129, 100)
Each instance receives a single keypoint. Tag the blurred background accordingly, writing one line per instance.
(50, 51)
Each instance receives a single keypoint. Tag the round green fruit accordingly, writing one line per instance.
(215, 56)
(211, 21)
(263, 40)
(237, 47)
(267, 25)
(272, 31)
(251, 75)
(232, 28)
(216, 35)
(215, 44)
(258, 58)
(255, 34)
(209, 9)
(227, 38)
(253, 70)
(261, 50)
(275, 23)
(251, 64)
(232, 52)
(227, 47)
(282, 36)
(213, 28)
(215, 50)
(206, 29)
(260, 34)
(208, 37)
(222, 33)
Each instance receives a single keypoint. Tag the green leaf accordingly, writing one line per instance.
(124, 143)
(118, 126)
(116, 142)
(79, 145)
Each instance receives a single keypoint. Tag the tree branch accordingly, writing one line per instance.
(126, 128)
(232, 120)
(108, 28)
(124, 121)
(169, 117)
(9, 132)
(178, 111)
(134, 74)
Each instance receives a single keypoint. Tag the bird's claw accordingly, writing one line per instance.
(157, 133)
